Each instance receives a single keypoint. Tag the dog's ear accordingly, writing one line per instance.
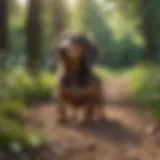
(91, 55)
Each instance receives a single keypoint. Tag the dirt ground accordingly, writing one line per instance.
(122, 136)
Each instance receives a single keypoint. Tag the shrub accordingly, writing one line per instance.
(145, 87)
(104, 72)
(44, 85)
(13, 135)
(22, 85)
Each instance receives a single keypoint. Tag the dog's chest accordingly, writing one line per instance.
(76, 80)
(80, 88)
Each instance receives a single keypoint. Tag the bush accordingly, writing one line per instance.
(13, 109)
(31, 88)
(11, 130)
(145, 87)
(104, 72)
(136, 77)
(44, 85)
(13, 135)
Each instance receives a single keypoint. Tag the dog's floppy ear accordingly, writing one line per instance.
(91, 55)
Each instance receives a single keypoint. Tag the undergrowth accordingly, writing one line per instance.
(145, 88)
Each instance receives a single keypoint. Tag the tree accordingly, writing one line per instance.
(60, 23)
(34, 35)
(149, 45)
(60, 16)
(3, 28)
(141, 10)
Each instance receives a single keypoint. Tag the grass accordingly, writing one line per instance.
(24, 86)
(145, 88)
(136, 77)
(14, 87)
(12, 131)
(104, 72)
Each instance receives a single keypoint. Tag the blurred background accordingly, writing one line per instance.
(127, 32)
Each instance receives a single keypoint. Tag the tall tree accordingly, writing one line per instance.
(149, 44)
(3, 28)
(60, 16)
(34, 34)
(142, 10)
(60, 23)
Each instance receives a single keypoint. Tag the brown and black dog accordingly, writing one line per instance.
(78, 86)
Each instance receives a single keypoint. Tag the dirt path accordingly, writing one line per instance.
(121, 137)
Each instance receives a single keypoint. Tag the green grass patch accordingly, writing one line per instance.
(14, 136)
(104, 72)
(145, 87)
(22, 85)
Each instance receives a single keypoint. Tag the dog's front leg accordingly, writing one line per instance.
(89, 114)
(100, 111)
(62, 112)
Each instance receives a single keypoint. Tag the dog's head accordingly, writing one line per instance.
(74, 49)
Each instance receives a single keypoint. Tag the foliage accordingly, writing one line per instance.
(86, 15)
(13, 135)
(31, 88)
(145, 87)
(105, 73)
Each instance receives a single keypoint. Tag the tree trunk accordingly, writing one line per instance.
(60, 19)
(60, 16)
(3, 31)
(149, 45)
(34, 35)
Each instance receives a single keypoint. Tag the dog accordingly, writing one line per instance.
(78, 85)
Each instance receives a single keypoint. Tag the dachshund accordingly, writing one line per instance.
(78, 85)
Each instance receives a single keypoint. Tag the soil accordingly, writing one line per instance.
(122, 136)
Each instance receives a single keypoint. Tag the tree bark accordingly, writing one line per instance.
(34, 35)
(60, 19)
(149, 45)
(3, 31)
(60, 16)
